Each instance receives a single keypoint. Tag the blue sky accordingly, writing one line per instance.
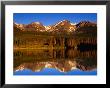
(53, 18)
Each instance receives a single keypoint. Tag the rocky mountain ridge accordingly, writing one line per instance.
(62, 26)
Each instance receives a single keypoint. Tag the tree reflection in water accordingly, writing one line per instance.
(63, 60)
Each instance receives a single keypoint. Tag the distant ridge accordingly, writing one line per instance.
(62, 26)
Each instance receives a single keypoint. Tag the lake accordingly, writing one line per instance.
(55, 62)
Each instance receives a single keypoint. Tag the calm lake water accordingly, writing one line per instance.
(55, 62)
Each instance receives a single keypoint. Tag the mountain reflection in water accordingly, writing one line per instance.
(55, 62)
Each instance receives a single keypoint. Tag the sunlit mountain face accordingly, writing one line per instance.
(61, 48)
(61, 26)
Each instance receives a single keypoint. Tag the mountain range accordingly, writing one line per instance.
(61, 26)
